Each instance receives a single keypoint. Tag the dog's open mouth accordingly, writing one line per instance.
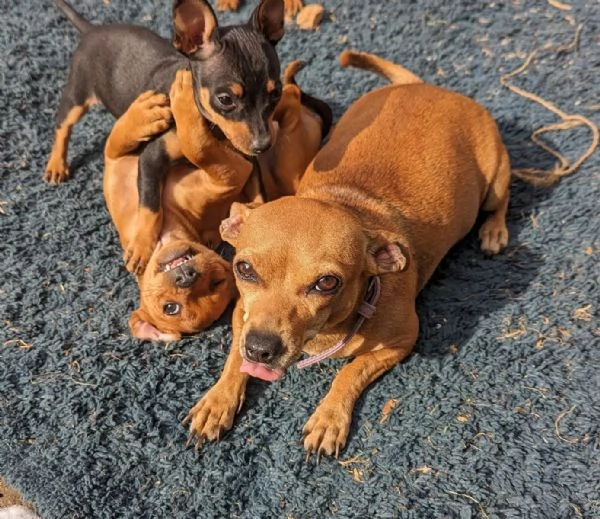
(177, 261)
(262, 371)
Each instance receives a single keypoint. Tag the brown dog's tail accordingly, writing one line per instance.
(394, 73)
(289, 76)
(321, 108)
(80, 23)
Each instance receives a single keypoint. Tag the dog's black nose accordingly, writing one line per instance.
(185, 275)
(263, 347)
(261, 144)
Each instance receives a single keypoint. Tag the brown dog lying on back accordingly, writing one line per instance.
(335, 270)
(186, 285)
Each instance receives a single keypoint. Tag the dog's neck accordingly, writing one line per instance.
(366, 309)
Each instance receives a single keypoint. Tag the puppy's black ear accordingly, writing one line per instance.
(268, 18)
(386, 253)
(195, 26)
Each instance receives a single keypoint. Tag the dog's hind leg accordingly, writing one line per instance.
(74, 103)
(494, 233)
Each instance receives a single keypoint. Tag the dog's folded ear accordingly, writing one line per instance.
(386, 252)
(195, 26)
(268, 18)
(142, 328)
(230, 227)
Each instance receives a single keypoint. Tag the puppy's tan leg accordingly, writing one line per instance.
(327, 429)
(145, 118)
(215, 411)
(494, 233)
(226, 171)
(57, 170)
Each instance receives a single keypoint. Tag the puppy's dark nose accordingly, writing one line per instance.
(185, 276)
(261, 144)
(263, 347)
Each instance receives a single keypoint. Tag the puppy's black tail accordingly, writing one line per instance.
(80, 23)
(394, 73)
(321, 108)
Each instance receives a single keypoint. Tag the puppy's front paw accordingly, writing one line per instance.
(327, 430)
(213, 414)
(150, 115)
(182, 93)
(493, 235)
(138, 253)
(57, 171)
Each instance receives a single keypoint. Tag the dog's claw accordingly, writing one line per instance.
(190, 439)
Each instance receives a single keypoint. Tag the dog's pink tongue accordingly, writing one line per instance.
(262, 371)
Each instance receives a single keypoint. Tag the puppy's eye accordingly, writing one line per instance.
(216, 283)
(171, 308)
(225, 101)
(326, 285)
(246, 271)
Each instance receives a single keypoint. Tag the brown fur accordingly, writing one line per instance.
(292, 7)
(196, 197)
(57, 170)
(205, 300)
(400, 181)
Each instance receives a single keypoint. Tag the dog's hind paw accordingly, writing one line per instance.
(56, 172)
(326, 431)
(493, 236)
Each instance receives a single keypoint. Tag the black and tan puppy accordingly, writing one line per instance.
(236, 76)
(335, 271)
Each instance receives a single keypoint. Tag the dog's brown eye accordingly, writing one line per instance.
(327, 285)
(246, 271)
(171, 308)
(225, 100)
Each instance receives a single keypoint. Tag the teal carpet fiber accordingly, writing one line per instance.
(496, 414)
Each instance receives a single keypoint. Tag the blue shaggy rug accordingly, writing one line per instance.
(497, 413)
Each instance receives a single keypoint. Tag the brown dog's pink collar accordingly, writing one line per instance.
(365, 311)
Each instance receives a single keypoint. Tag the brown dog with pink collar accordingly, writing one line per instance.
(335, 270)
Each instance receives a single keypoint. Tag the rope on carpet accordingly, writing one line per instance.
(563, 168)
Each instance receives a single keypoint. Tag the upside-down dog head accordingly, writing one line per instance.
(301, 268)
(236, 69)
(185, 288)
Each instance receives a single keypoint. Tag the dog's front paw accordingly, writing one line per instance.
(57, 171)
(326, 431)
(150, 115)
(228, 5)
(182, 93)
(213, 414)
(138, 253)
